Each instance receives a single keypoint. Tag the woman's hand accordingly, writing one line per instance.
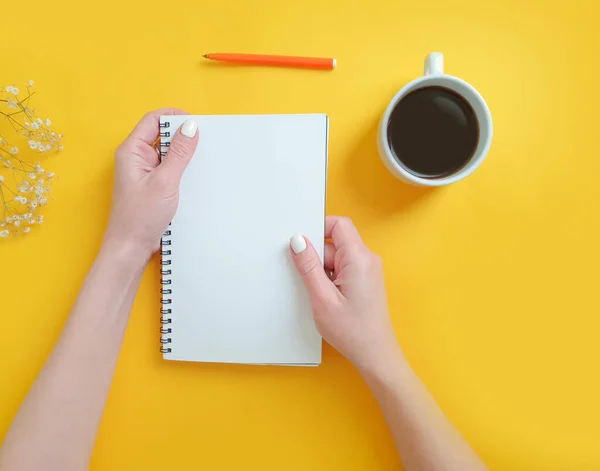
(349, 306)
(56, 426)
(350, 311)
(146, 191)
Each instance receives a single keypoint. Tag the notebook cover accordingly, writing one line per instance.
(234, 294)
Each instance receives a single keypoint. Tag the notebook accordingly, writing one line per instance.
(230, 291)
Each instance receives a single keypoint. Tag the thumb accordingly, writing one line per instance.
(181, 150)
(309, 266)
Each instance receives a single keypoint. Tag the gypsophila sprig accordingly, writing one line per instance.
(25, 185)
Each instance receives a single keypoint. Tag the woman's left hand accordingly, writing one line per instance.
(146, 191)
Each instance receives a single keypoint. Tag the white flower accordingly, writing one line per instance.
(50, 174)
(17, 223)
(48, 147)
(41, 181)
(14, 150)
(12, 90)
(39, 120)
(2, 224)
(43, 200)
(1, 178)
(9, 219)
(12, 104)
(48, 122)
(35, 126)
(34, 204)
(27, 229)
(31, 82)
(40, 220)
(4, 233)
(33, 144)
(7, 163)
(27, 216)
(59, 147)
(23, 200)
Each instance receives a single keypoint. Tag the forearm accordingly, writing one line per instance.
(56, 426)
(424, 437)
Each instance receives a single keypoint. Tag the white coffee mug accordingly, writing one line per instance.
(434, 76)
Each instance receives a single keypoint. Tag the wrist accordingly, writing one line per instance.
(383, 364)
(125, 253)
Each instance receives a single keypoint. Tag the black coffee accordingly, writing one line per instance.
(433, 132)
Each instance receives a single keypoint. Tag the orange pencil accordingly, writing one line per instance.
(277, 61)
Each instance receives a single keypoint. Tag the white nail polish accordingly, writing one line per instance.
(298, 244)
(189, 128)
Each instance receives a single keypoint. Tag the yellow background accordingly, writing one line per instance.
(493, 282)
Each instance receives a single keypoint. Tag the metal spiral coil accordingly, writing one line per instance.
(165, 293)
(165, 273)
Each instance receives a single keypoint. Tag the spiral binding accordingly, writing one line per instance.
(165, 262)
(164, 134)
(165, 292)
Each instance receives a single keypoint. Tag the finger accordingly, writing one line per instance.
(342, 231)
(309, 266)
(147, 129)
(329, 257)
(181, 150)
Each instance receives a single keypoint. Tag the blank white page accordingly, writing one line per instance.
(254, 181)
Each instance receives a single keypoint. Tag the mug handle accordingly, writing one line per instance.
(434, 64)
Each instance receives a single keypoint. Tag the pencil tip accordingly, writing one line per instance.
(205, 56)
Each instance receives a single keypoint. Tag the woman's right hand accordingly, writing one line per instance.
(348, 295)
(351, 313)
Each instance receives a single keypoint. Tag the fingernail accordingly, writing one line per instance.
(189, 128)
(298, 244)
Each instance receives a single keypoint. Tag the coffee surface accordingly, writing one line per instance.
(433, 132)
